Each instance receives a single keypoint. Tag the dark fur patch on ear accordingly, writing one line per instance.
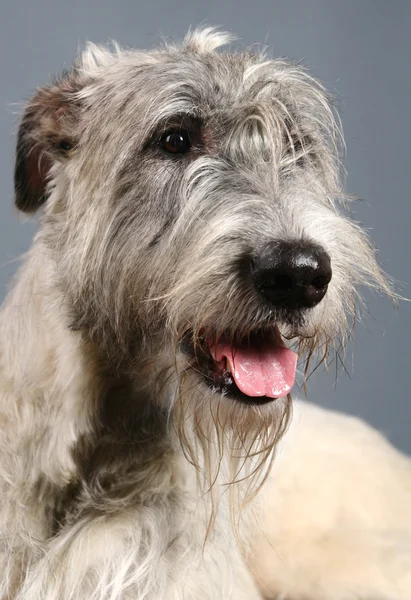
(47, 134)
(30, 174)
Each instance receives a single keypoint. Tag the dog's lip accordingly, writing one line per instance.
(257, 369)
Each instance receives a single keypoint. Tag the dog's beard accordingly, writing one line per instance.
(230, 444)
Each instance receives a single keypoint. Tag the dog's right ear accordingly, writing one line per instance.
(47, 134)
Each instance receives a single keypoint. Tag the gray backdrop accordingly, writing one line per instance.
(360, 48)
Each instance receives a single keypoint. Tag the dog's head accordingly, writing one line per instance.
(192, 207)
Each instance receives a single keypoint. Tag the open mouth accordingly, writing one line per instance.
(258, 369)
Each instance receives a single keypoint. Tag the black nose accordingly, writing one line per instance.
(292, 275)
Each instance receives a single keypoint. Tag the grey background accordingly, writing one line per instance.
(361, 49)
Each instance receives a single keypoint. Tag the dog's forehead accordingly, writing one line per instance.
(135, 94)
(212, 81)
(185, 81)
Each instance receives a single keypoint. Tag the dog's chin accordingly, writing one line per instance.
(257, 370)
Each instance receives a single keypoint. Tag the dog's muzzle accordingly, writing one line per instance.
(291, 278)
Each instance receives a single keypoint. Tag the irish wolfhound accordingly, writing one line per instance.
(190, 224)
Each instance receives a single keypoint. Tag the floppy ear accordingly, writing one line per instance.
(47, 134)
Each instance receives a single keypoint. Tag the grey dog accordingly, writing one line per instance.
(192, 242)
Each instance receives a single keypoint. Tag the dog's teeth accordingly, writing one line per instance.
(227, 367)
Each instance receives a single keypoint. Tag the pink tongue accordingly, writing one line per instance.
(262, 370)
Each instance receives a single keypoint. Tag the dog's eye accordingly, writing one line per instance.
(65, 145)
(175, 142)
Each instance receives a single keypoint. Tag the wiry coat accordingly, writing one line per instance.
(115, 456)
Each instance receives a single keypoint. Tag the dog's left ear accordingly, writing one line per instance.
(47, 134)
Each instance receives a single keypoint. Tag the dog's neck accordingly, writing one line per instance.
(105, 426)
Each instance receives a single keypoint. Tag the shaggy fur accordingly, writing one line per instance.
(123, 474)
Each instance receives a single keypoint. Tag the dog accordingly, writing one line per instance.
(193, 244)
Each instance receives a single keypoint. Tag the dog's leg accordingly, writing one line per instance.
(336, 517)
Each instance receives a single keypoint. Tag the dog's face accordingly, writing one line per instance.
(192, 206)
